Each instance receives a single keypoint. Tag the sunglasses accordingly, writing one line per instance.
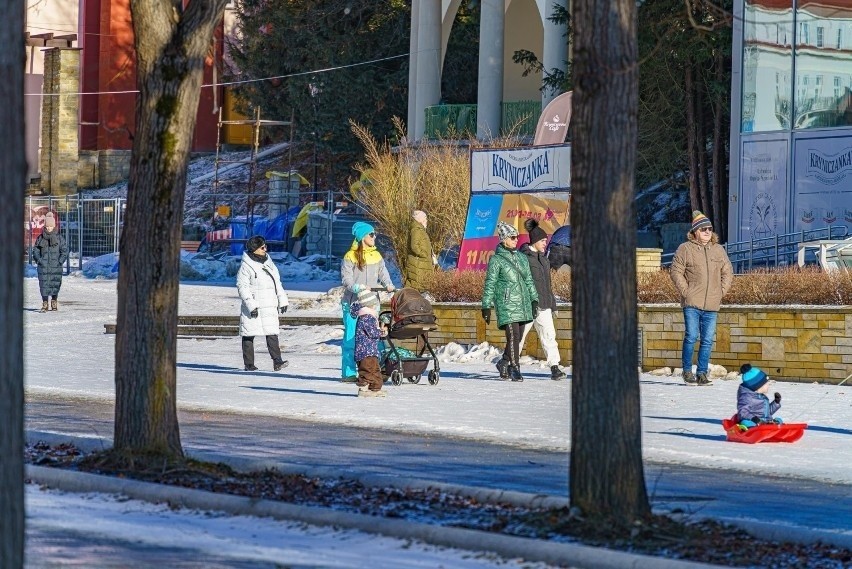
(705, 229)
(512, 237)
(371, 234)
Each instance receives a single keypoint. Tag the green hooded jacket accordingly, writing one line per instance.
(509, 287)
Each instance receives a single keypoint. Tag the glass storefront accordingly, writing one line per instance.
(822, 35)
(823, 63)
(767, 65)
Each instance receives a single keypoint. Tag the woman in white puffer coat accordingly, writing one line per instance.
(259, 286)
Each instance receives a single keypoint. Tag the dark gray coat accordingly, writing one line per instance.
(751, 404)
(540, 269)
(50, 252)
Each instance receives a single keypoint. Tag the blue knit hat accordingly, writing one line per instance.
(753, 377)
(361, 229)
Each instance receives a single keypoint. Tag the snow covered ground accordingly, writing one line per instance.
(137, 534)
(680, 423)
(68, 354)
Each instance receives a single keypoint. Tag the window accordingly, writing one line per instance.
(767, 53)
(818, 61)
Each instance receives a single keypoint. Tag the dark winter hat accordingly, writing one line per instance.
(254, 243)
(49, 220)
(699, 220)
(536, 232)
(504, 231)
(753, 377)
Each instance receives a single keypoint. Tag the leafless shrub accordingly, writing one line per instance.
(785, 286)
(433, 176)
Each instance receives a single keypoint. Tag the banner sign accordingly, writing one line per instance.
(523, 170)
(552, 127)
(511, 185)
(823, 182)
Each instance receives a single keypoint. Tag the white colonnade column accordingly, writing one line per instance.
(490, 87)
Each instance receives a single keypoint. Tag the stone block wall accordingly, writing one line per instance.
(793, 344)
(59, 122)
(113, 167)
(648, 260)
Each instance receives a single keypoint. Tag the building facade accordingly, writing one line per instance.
(791, 117)
(505, 27)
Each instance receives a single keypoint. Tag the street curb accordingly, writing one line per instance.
(761, 529)
(579, 556)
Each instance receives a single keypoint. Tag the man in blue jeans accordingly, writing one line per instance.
(702, 274)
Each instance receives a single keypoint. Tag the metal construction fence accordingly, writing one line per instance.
(91, 226)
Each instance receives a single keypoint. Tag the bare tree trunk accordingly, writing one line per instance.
(691, 136)
(701, 144)
(12, 184)
(720, 145)
(606, 478)
(171, 44)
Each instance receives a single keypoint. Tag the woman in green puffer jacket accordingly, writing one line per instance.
(509, 287)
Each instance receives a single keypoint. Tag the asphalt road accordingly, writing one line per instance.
(403, 452)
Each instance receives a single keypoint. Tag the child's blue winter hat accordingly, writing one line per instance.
(753, 377)
(361, 229)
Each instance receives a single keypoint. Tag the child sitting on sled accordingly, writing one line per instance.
(753, 406)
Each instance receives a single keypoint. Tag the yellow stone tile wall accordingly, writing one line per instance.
(648, 260)
(793, 344)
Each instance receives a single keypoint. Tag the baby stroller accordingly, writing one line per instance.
(409, 318)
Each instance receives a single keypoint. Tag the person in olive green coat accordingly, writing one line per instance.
(421, 260)
(509, 287)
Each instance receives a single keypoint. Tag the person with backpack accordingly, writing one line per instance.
(263, 298)
(50, 252)
(362, 268)
(543, 322)
(509, 288)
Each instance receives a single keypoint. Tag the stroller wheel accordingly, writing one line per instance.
(434, 377)
(414, 379)
(396, 377)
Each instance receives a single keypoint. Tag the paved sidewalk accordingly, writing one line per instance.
(407, 453)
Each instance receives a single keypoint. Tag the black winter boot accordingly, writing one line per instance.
(556, 374)
(515, 373)
(44, 306)
(503, 368)
(278, 365)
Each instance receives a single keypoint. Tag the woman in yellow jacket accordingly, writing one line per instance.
(362, 268)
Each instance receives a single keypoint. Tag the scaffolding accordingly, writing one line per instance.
(256, 124)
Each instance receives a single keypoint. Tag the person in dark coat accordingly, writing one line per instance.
(50, 253)
(540, 269)
(509, 288)
(753, 406)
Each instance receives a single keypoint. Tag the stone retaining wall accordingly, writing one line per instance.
(793, 344)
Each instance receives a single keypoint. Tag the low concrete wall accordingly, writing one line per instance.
(793, 344)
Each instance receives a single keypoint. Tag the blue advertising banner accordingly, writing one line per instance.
(764, 188)
(823, 182)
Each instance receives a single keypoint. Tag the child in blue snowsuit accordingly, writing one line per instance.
(753, 406)
(367, 335)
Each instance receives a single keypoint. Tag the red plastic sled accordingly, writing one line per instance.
(770, 433)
